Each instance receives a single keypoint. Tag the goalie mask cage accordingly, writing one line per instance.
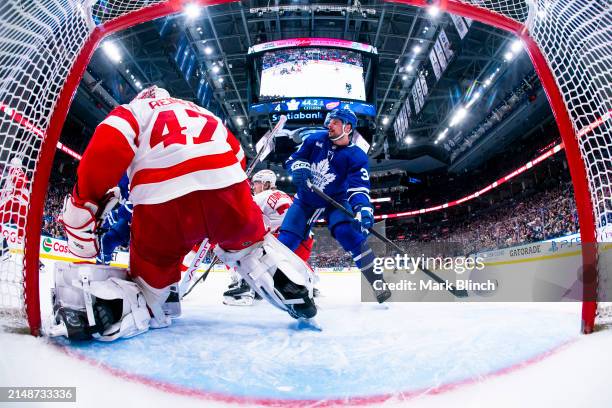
(45, 46)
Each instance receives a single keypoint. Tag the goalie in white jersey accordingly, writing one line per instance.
(188, 183)
(274, 204)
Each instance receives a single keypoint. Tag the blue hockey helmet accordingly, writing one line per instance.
(344, 114)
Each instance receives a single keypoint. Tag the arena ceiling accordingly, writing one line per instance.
(404, 37)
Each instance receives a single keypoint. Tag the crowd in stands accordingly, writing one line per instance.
(518, 220)
(53, 208)
(530, 217)
(303, 55)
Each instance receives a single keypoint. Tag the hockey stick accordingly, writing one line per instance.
(266, 146)
(195, 263)
(203, 277)
(264, 151)
(432, 275)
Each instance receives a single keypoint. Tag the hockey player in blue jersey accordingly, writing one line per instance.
(117, 225)
(334, 164)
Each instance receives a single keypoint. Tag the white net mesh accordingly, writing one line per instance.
(38, 44)
(40, 41)
(517, 10)
(576, 39)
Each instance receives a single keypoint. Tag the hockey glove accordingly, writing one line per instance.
(365, 217)
(81, 220)
(300, 173)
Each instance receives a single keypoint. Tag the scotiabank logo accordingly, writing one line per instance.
(57, 246)
(47, 245)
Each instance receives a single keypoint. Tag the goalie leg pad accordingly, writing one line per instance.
(276, 274)
(96, 301)
(155, 300)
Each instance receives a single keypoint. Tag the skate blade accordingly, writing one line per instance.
(240, 302)
(308, 324)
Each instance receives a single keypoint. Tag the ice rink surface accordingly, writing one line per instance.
(409, 354)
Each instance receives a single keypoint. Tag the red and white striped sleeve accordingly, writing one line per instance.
(108, 155)
(283, 203)
(123, 120)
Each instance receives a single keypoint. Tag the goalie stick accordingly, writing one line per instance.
(455, 292)
(267, 144)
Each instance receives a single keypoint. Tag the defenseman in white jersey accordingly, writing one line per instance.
(274, 204)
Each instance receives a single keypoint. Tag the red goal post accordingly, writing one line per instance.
(44, 50)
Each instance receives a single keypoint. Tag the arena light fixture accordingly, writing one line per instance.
(417, 49)
(408, 139)
(385, 120)
(458, 116)
(240, 121)
(208, 50)
(409, 68)
(516, 46)
(221, 80)
(404, 77)
(475, 97)
(508, 56)
(433, 11)
(192, 10)
(112, 51)
(442, 135)
(216, 69)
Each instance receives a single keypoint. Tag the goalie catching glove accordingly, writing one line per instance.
(81, 220)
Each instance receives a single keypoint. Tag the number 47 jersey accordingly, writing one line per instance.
(178, 147)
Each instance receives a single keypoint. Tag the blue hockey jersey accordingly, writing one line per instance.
(125, 208)
(340, 171)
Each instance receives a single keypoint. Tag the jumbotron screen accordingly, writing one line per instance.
(312, 72)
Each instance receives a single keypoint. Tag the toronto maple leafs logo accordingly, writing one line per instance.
(293, 105)
(321, 174)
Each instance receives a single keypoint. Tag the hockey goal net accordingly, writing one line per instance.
(46, 45)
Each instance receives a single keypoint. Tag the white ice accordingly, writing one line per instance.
(417, 355)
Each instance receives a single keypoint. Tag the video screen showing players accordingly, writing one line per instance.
(312, 72)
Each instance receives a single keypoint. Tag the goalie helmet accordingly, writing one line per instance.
(265, 176)
(152, 92)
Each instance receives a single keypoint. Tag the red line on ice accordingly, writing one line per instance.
(347, 401)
